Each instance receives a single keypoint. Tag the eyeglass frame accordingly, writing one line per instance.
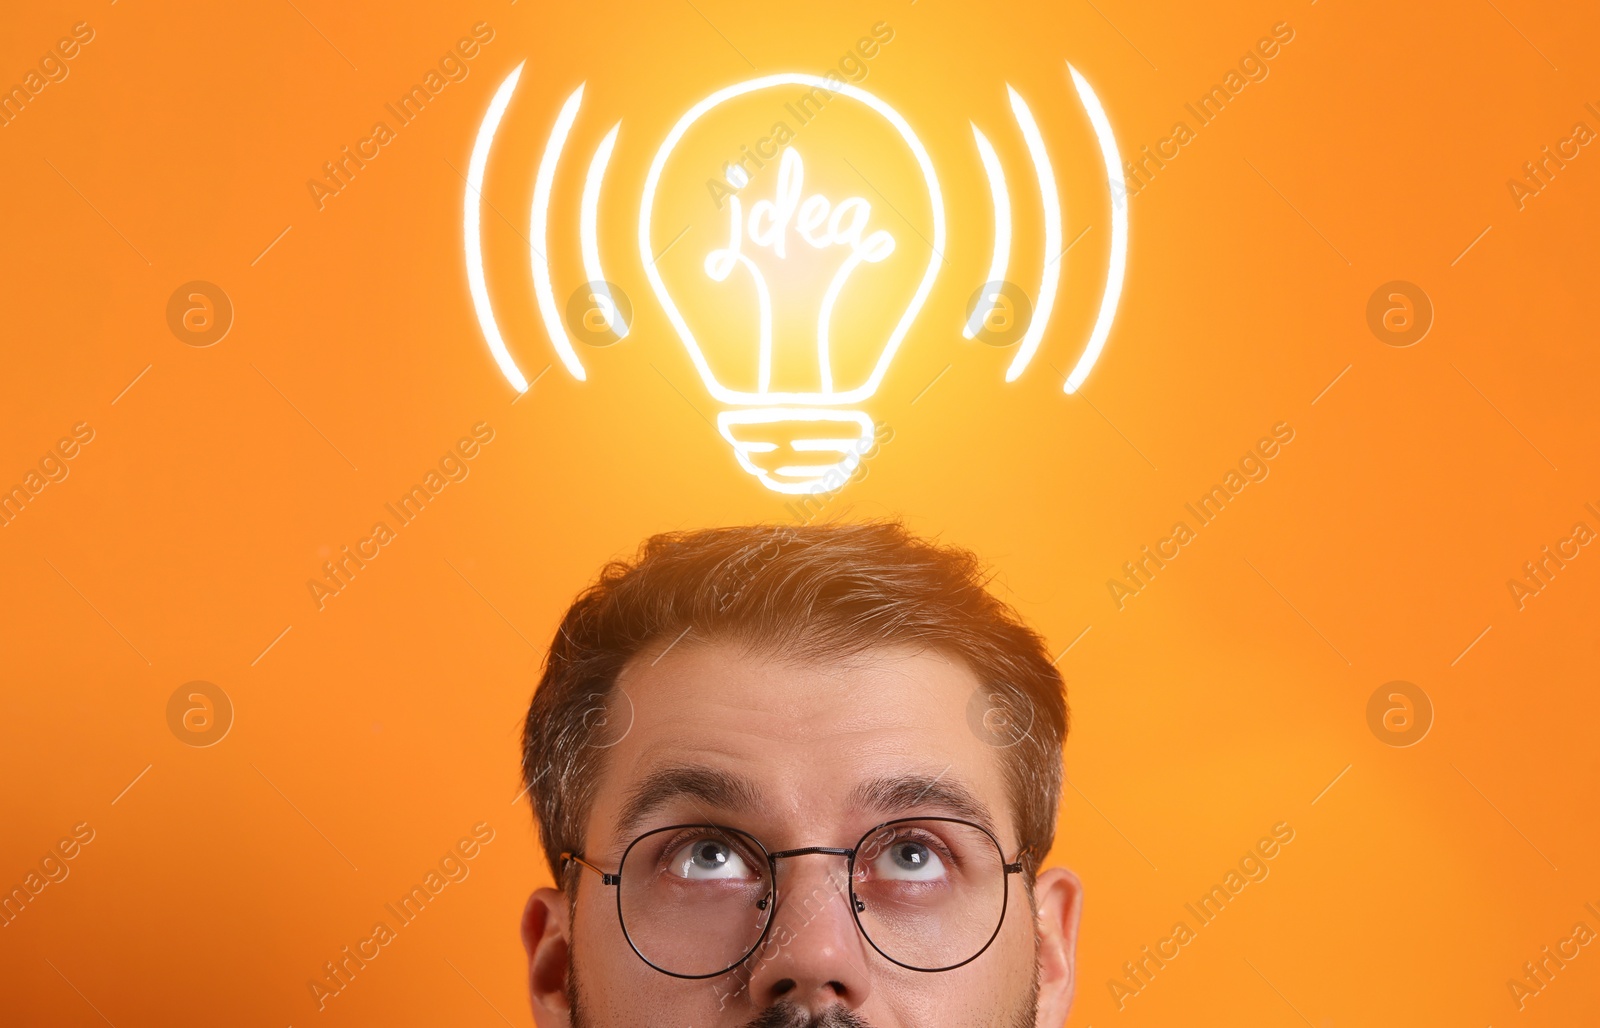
(856, 905)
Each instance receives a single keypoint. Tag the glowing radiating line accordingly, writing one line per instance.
(1052, 235)
(588, 230)
(1119, 231)
(803, 470)
(471, 231)
(675, 316)
(1002, 226)
(538, 224)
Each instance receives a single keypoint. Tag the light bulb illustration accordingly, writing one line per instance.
(793, 306)
(825, 419)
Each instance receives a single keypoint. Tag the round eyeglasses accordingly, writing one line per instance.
(696, 900)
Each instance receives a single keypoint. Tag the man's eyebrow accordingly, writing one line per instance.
(695, 782)
(897, 795)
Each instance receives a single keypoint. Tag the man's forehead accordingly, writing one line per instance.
(800, 684)
(720, 727)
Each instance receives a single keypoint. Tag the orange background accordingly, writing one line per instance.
(1224, 699)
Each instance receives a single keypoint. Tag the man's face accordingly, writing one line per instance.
(797, 756)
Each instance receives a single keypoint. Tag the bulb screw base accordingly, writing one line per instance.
(798, 450)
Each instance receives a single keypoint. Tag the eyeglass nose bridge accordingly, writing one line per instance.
(831, 851)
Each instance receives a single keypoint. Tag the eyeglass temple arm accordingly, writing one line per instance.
(1016, 866)
(606, 877)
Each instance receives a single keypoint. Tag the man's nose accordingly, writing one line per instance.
(814, 956)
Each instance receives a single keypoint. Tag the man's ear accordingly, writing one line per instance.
(545, 935)
(1058, 896)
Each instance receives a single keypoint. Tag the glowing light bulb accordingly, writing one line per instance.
(792, 386)
(794, 440)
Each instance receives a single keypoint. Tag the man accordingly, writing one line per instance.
(798, 778)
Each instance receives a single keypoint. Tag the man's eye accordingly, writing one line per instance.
(908, 861)
(706, 859)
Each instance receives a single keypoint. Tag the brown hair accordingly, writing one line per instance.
(839, 589)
